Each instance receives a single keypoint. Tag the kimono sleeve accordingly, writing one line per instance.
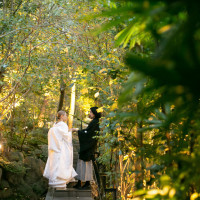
(66, 134)
(86, 135)
(53, 141)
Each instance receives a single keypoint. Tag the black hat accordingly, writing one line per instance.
(95, 112)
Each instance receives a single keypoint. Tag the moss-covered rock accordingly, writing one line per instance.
(0, 174)
(5, 189)
(26, 190)
(40, 187)
(6, 193)
(22, 177)
(15, 156)
(4, 184)
(35, 168)
(15, 178)
(15, 167)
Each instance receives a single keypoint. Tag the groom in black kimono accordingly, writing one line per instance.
(88, 146)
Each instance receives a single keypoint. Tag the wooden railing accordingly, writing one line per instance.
(100, 179)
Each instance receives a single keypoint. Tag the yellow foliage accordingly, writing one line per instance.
(103, 70)
(125, 157)
(91, 57)
(172, 192)
(100, 109)
(164, 29)
(129, 195)
(110, 82)
(194, 196)
(146, 4)
(165, 190)
(179, 89)
(66, 50)
(167, 149)
(95, 9)
(114, 106)
(84, 91)
(153, 192)
(96, 94)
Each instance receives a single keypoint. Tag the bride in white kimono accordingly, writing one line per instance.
(59, 167)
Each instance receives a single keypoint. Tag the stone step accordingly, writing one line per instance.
(69, 194)
(76, 148)
(72, 198)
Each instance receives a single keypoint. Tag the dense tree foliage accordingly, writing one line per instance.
(137, 60)
(44, 49)
(157, 134)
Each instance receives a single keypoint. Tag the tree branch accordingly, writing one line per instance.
(34, 27)
(18, 83)
(14, 103)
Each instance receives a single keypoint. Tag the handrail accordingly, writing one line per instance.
(99, 181)
(97, 176)
(78, 119)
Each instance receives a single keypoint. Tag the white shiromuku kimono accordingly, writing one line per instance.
(59, 167)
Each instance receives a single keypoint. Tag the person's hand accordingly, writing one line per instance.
(74, 129)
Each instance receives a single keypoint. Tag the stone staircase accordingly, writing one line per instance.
(69, 194)
(75, 149)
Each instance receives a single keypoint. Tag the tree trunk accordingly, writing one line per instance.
(62, 95)
(139, 161)
(2, 71)
(41, 116)
(4, 9)
(142, 163)
(12, 125)
(72, 105)
(167, 134)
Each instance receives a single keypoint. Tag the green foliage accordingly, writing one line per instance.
(15, 167)
(149, 142)
(160, 100)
